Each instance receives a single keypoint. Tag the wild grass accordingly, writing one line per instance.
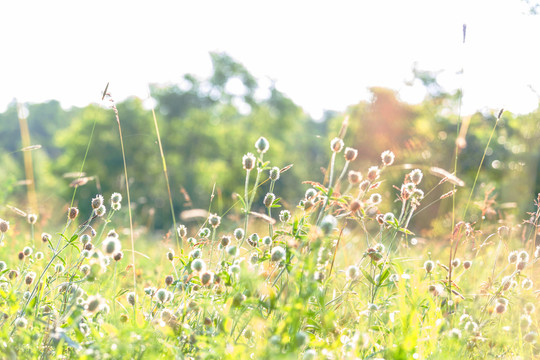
(340, 275)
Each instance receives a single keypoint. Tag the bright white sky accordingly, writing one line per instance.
(324, 55)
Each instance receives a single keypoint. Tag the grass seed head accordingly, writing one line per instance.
(274, 173)
(248, 162)
(350, 154)
(73, 212)
(32, 219)
(262, 145)
(4, 226)
(387, 158)
(97, 201)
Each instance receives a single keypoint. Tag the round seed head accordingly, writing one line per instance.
(416, 176)
(234, 269)
(181, 230)
(350, 154)
(262, 145)
(73, 212)
(267, 241)
(198, 265)
(373, 173)
(85, 269)
(169, 280)
(45, 238)
(354, 177)
(248, 162)
(364, 185)
(214, 220)
(204, 233)
(328, 224)
(455, 263)
(111, 245)
(32, 218)
(375, 199)
(389, 218)
(310, 194)
(161, 295)
(238, 234)
(500, 308)
(352, 272)
(118, 256)
(238, 299)
(520, 265)
(254, 258)
(3, 266)
(527, 284)
(513, 257)
(21, 322)
(116, 206)
(131, 298)
(429, 266)
(274, 173)
(467, 264)
(284, 216)
(100, 211)
(195, 253)
(94, 304)
(85, 239)
(355, 205)
(530, 337)
(225, 240)
(116, 198)
(503, 231)
(20, 255)
(269, 199)
(27, 251)
(277, 254)
(387, 158)
(12, 274)
(207, 278)
(59, 268)
(88, 247)
(336, 145)
(97, 201)
(113, 233)
(4, 226)
(231, 250)
(523, 256)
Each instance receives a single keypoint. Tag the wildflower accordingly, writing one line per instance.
(94, 304)
(352, 272)
(284, 216)
(269, 200)
(198, 265)
(225, 241)
(4, 226)
(111, 245)
(375, 199)
(231, 250)
(116, 198)
(428, 266)
(262, 145)
(501, 305)
(467, 264)
(506, 282)
(529, 308)
(530, 337)
(527, 284)
(456, 262)
(350, 154)
(253, 240)
(3, 266)
(254, 258)
(118, 256)
(131, 298)
(27, 251)
(521, 265)
(150, 291)
(310, 194)
(21, 322)
(195, 253)
(45, 238)
(169, 280)
(355, 205)
(181, 230)
(354, 177)
(97, 201)
(336, 145)
(328, 224)
(389, 218)
(21, 255)
(523, 256)
(207, 278)
(85, 269)
(416, 176)
(204, 232)
(214, 220)
(267, 241)
(373, 173)
(100, 211)
(274, 173)
(31, 218)
(364, 185)
(387, 158)
(248, 162)
(277, 254)
(30, 278)
(513, 257)
(12, 274)
(73, 212)
(59, 268)
(238, 234)
(116, 206)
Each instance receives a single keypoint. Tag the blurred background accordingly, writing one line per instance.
(221, 75)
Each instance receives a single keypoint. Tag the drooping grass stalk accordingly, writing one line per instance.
(165, 173)
(129, 207)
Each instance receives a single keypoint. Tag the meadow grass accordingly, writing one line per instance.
(339, 276)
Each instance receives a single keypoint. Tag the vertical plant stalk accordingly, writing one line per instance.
(165, 173)
(321, 211)
(481, 163)
(129, 207)
(28, 165)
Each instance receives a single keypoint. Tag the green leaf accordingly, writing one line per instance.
(368, 277)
